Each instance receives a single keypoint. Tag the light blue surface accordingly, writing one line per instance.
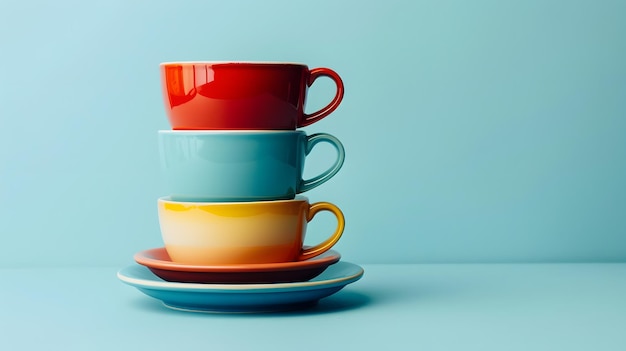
(226, 166)
(474, 130)
(401, 307)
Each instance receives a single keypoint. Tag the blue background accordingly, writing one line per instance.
(475, 131)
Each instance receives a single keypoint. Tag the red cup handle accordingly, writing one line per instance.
(316, 116)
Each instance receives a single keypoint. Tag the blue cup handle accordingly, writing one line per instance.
(312, 140)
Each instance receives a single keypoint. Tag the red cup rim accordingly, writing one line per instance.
(269, 63)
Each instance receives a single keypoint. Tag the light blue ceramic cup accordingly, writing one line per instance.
(234, 165)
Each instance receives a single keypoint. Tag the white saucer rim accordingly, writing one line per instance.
(200, 287)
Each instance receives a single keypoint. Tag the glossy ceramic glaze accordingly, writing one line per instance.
(159, 262)
(242, 95)
(241, 297)
(241, 165)
(219, 233)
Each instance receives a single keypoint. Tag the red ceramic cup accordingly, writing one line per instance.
(242, 95)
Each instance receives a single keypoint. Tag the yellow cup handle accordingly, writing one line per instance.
(332, 240)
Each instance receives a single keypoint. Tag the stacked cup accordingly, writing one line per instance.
(233, 163)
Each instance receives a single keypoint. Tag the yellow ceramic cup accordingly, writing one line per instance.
(221, 233)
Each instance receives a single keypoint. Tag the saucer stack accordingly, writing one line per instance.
(234, 222)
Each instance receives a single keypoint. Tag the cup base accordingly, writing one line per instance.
(233, 256)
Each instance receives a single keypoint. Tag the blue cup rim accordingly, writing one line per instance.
(233, 131)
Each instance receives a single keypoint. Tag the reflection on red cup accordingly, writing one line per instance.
(242, 95)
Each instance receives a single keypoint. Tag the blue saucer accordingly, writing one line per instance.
(242, 297)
